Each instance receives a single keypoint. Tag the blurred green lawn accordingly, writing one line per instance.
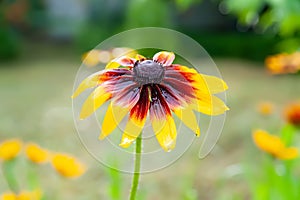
(35, 105)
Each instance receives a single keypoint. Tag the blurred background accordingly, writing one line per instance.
(41, 47)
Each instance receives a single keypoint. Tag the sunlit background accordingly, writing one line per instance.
(253, 42)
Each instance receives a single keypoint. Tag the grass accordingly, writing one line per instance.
(35, 105)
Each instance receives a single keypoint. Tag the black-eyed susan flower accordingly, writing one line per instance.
(283, 63)
(67, 165)
(153, 87)
(265, 108)
(9, 149)
(292, 113)
(36, 154)
(274, 145)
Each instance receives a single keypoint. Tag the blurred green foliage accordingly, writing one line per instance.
(273, 25)
(280, 16)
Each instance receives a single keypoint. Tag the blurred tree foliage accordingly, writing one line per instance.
(281, 17)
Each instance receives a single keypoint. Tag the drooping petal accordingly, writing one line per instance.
(137, 118)
(159, 108)
(89, 82)
(211, 105)
(165, 131)
(112, 118)
(181, 88)
(214, 84)
(164, 57)
(128, 97)
(201, 82)
(127, 140)
(187, 116)
(98, 78)
(174, 99)
(161, 118)
(125, 61)
(288, 153)
(94, 101)
(112, 65)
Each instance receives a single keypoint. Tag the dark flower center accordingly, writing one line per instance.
(148, 71)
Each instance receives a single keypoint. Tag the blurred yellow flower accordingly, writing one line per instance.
(9, 196)
(265, 108)
(9, 149)
(23, 195)
(93, 57)
(292, 113)
(36, 154)
(283, 63)
(274, 145)
(67, 165)
(29, 195)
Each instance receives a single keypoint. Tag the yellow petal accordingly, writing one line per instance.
(164, 57)
(89, 82)
(288, 153)
(214, 84)
(36, 154)
(9, 149)
(112, 65)
(205, 83)
(94, 101)
(9, 196)
(112, 118)
(210, 105)
(132, 131)
(67, 166)
(165, 131)
(267, 142)
(188, 117)
(127, 140)
(139, 57)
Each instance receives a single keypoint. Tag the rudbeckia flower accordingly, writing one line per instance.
(36, 154)
(9, 149)
(67, 166)
(283, 63)
(274, 145)
(292, 114)
(153, 87)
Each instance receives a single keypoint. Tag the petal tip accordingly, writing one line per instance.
(124, 144)
(197, 132)
(101, 136)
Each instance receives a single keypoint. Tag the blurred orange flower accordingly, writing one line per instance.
(9, 149)
(67, 165)
(283, 63)
(274, 145)
(292, 113)
(36, 154)
(265, 108)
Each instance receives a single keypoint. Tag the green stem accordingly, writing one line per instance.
(137, 166)
(8, 173)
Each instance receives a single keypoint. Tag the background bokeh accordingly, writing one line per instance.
(41, 47)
